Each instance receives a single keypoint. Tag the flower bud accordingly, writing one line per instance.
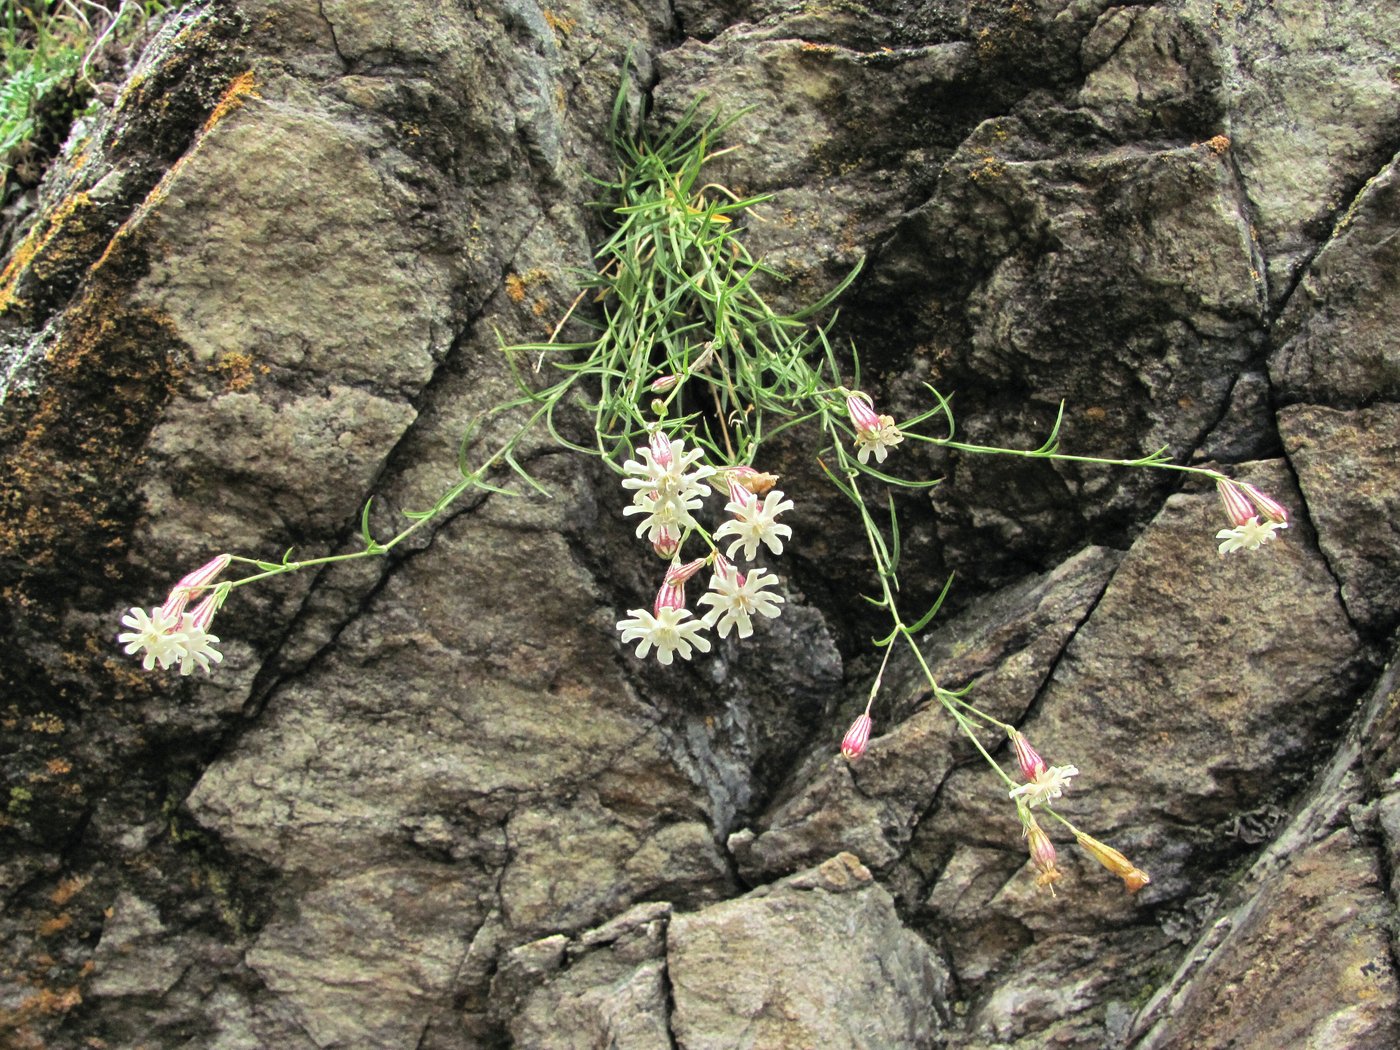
(200, 577)
(1032, 765)
(1268, 506)
(1134, 878)
(664, 383)
(666, 541)
(676, 575)
(670, 596)
(854, 742)
(1237, 506)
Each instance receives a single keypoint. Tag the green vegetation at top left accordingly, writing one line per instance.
(54, 55)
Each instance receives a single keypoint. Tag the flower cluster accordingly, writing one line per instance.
(172, 635)
(1043, 783)
(668, 485)
(1255, 517)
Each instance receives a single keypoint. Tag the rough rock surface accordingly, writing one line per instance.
(429, 802)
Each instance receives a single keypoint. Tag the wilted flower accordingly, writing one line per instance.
(735, 597)
(1048, 784)
(1134, 878)
(853, 743)
(1042, 852)
(874, 432)
(754, 481)
(754, 521)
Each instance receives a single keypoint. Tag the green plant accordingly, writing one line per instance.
(682, 376)
(46, 49)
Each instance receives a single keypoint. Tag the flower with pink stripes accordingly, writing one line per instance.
(874, 432)
(1254, 515)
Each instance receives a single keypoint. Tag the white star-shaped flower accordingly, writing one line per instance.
(1050, 783)
(669, 474)
(154, 633)
(193, 645)
(1252, 535)
(670, 630)
(754, 522)
(735, 598)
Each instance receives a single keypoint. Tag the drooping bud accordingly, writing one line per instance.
(1032, 765)
(1134, 878)
(1268, 506)
(738, 493)
(1237, 506)
(200, 577)
(857, 737)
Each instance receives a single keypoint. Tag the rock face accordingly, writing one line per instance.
(428, 801)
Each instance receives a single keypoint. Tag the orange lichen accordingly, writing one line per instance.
(515, 288)
(239, 90)
(989, 168)
(67, 889)
(561, 24)
(60, 922)
(62, 237)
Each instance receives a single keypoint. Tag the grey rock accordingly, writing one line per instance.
(1336, 336)
(1346, 469)
(820, 959)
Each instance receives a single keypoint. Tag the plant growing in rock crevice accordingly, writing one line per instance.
(686, 372)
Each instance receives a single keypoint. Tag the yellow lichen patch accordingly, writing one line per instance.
(561, 24)
(66, 237)
(237, 370)
(239, 90)
(989, 168)
(515, 288)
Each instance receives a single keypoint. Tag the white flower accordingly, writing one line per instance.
(671, 630)
(166, 641)
(665, 517)
(1047, 785)
(155, 633)
(663, 468)
(754, 521)
(878, 440)
(734, 598)
(1250, 536)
